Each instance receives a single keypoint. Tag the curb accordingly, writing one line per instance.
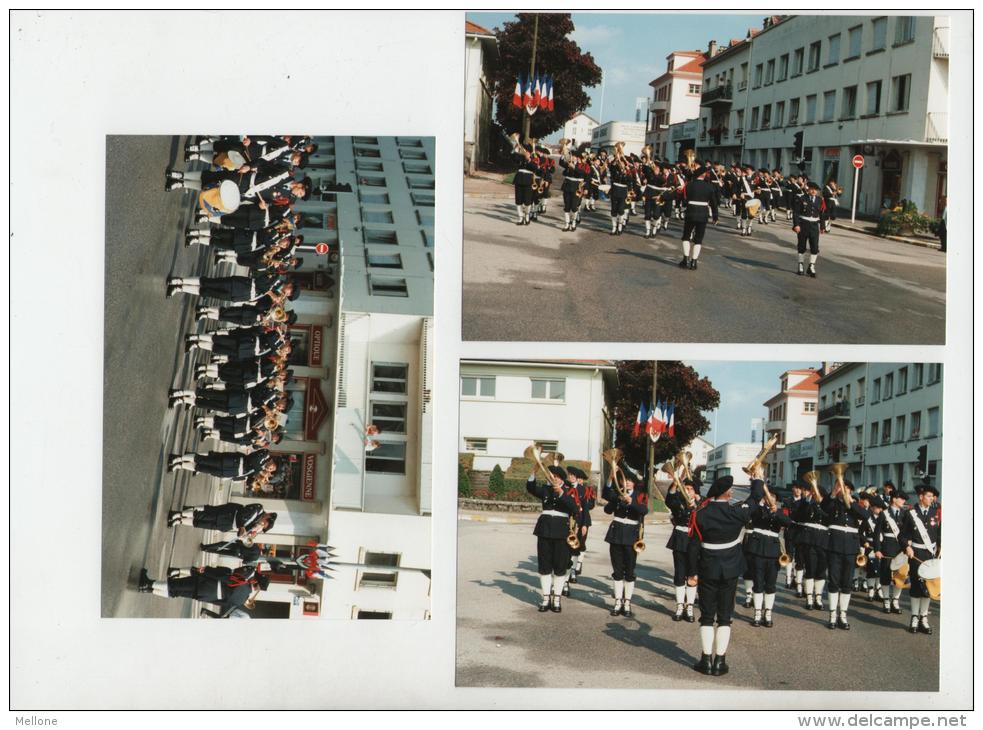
(898, 239)
(530, 519)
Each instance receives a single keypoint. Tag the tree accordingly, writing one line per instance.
(496, 482)
(463, 482)
(678, 384)
(557, 56)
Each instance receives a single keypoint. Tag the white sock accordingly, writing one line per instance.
(629, 589)
(614, 224)
(820, 584)
(788, 571)
(680, 594)
(926, 605)
(799, 574)
(809, 584)
(812, 259)
(686, 249)
(544, 584)
(518, 211)
(690, 594)
(916, 606)
(834, 600)
(748, 585)
(566, 218)
(619, 589)
(769, 601)
(758, 601)
(580, 562)
(802, 257)
(696, 250)
(844, 602)
(723, 639)
(160, 589)
(571, 572)
(558, 581)
(648, 227)
(706, 639)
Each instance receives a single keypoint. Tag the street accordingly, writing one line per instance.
(144, 356)
(502, 641)
(538, 283)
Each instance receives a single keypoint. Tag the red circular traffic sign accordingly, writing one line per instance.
(322, 248)
(858, 161)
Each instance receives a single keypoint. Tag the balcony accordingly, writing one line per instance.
(739, 132)
(940, 43)
(859, 401)
(718, 96)
(937, 127)
(836, 412)
(658, 105)
(742, 86)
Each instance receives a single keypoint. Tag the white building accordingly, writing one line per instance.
(681, 136)
(723, 100)
(791, 416)
(731, 458)
(579, 129)
(797, 458)
(675, 98)
(365, 356)
(509, 405)
(632, 134)
(873, 85)
(875, 417)
(480, 54)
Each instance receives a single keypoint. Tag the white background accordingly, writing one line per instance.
(76, 77)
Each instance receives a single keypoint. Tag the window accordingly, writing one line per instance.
(376, 216)
(904, 29)
(373, 198)
(420, 183)
(902, 381)
(740, 119)
(874, 97)
(378, 235)
(373, 614)
(779, 114)
(810, 109)
(849, 108)
(409, 142)
(548, 389)
(888, 386)
(899, 426)
(900, 90)
(478, 445)
(388, 458)
(856, 40)
(478, 386)
(405, 154)
(758, 70)
(372, 181)
(383, 286)
(934, 372)
(873, 434)
(797, 60)
(793, 111)
(389, 417)
(694, 88)
(886, 431)
(917, 371)
(417, 168)
(879, 40)
(766, 116)
(829, 105)
(833, 51)
(814, 51)
(311, 220)
(383, 260)
(389, 377)
(770, 72)
(743, 84)
(427, 237)
(426, 200)
(933, 422)
(367, 152)
(858, 438)
(386, 579)
(875, 391)
(363, 164)
(548, 445)
(365, 140)
(782, 68)
(754, 118)
(809, 406)
(916, 424)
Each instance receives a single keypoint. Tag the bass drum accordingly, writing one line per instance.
(753, 206)
(930, 572)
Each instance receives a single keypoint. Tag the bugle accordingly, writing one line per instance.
(759, 459)
(612, 456)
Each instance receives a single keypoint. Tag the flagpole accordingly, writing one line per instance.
(651, 445)
(526, 117)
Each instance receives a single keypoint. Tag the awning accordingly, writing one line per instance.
(900, 143)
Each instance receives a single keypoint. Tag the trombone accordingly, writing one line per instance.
(612, 456)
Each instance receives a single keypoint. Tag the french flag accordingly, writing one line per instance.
(650, 427)
(639, 420)
(659, 419)
(551, 94)
(537, 93)
(527, 94)
(544, 102)
(517, 94)
(671, 419)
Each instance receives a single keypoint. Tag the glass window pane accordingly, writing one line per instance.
(539, 389)
(488, 387)
(469, 386)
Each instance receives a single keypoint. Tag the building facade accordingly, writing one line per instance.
(579, 129)
(730, 459)
(509, 405)
(870, 85)
(480, 55)
(791, 416)
(675, 98)
(604, 136)
(364, 355)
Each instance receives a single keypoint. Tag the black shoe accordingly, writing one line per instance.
(895, 609)
(886, 609)
(843, 623)
(704, 666)
(684, 264)
(566, 589)
(572, 578)
(555, 604)
(719, 667)
(833, 622)
(678, 616)
(692, 264)
(173, 572)
(520, 223)
(923, 627)
(914, 626)
(615, 609)
(748, 601)
(689, 614)
(801, 270)
(545, 606)
(172, 518)
(799, 593)
(812, 272)
(145, 585)
(756, 621)
(626, 610)
(768, 622)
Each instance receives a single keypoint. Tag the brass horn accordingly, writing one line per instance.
(759, 459)
(535, 454)
(572, 540)
(690, 155)
(838, 470)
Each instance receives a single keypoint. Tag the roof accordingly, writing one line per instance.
(604, 364)
(583, 114)
(693, 66)
(475, 29)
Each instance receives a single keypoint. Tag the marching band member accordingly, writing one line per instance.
(523, 180)
(552, 528)
(777, 193)
(743, 193)
(593, 184)
(715, 546)
(628, 508)
(844, 515)
(652, 192)
(762, 191)
(886, 546)
(794, 571)
(812, 542)
(921, 539)
(869, 581)
(573, 180)
(831, 192)
(670, 179)
(587, 498)
(547, 167)
(618, 176)
(701, 204)
(810, 211)
(763, 547)
(682, 507)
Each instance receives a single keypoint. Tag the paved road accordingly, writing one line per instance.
(535, 283)
(143, 358)
(502, 641)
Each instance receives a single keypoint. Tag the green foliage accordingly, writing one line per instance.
(466, 459)
(903, 218)
(496, 482)
(463, 482)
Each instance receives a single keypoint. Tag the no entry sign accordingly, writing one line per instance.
(858, 161)
(322, 248)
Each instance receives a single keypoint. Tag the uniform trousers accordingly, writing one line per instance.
(799, 553)
(618, 195)
(918, 589)
(523, 194)
(815, 561)
(552, 555)
(716, 599)
(680, 567)
(651, 208)
(740, 209)
(809, 234)
(840, 567)
(884, 570)
(765, 573)
(623, 559)
(570, 201)
(693, 231)
(667, 200)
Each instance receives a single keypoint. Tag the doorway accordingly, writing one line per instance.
(891, 179)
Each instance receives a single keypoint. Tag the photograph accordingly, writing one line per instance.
(700, 525)
(268, 427)
(779, 179)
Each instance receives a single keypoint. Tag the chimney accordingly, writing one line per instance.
(712, 49)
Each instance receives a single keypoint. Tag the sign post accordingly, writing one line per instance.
(858, 162)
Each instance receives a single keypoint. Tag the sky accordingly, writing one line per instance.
(743, 388)
(631, 49)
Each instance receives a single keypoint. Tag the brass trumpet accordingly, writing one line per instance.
(759, 459)
(612, 456)
(572, 539)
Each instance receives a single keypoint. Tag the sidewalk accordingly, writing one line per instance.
(529, 518)
(869, 229)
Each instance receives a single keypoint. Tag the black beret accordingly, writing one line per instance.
(574, 471)
(926, 487)
(299, 263)
(291, 317)
(557, 471)
(888, 483)
(848, 483)
(263, 581)
(876, 501)
(898, 494)
(313, 148)
(720, 485)
(294, 294)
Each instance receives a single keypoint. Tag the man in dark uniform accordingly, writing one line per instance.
(886, 546)
(831, 192)
(921, 540)
(228, 588)
(869, 581)
(573, 178)
(524, 174)
(552, 528)
(652, 192)
(763, 547)
(743, 192)
(715, 544)
(682, 506)
(808, 215)
(701, 206)
(628, 508)
(587, 498)
(618, 176)
(221, 464)
(795, 570)
(812, 543)
(247, 520)
(844, 515)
